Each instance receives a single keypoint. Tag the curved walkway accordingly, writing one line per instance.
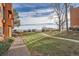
(18, 48)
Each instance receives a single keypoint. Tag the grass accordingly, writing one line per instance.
(39, 44)
(52, 32)
(4, 46)
(70, 35)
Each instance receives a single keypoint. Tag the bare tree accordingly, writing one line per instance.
(59, 10)
(16, 18)
(62, 10)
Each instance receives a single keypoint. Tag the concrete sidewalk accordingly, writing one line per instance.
(18, 48)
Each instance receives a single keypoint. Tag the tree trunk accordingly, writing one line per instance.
(59, 25)
(66, 17)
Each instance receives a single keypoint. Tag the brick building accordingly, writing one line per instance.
(74, 16)
(6, 19)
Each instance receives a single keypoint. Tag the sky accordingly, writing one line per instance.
(26, 7)
(35, 14)
(33, 9)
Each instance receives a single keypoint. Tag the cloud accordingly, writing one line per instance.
(44, 10)
(25, 7)
(37, 13)
(35, 20)
(28, 18)
(33, 12)
(36, 17)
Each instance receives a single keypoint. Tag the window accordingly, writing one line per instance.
(0, 30)
(4, 13)
(9, 14)
(9, 11)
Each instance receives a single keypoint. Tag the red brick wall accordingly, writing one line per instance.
(74, 14)
(8, 21)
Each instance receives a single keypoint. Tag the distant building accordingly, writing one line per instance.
(47, 29)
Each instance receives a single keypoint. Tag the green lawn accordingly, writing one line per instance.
(70, 35)
(52, 32)
(39, 44)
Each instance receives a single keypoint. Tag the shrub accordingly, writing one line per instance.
(4, 46)
(10, 39)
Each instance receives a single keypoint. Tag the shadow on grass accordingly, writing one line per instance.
(49, 46)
